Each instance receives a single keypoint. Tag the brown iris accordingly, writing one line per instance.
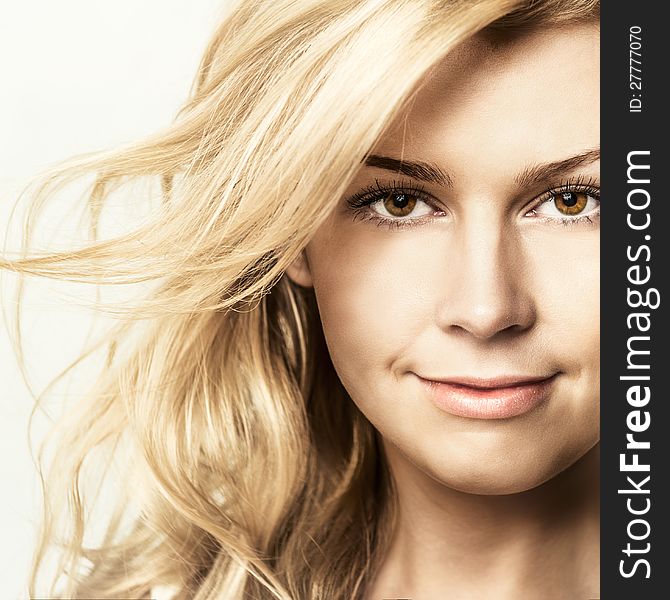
(571, 203)
(399, 204)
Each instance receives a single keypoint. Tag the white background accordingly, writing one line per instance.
(75, 76)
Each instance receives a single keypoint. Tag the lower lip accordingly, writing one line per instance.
(488, 403)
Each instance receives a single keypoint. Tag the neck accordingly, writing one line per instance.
(531, 544)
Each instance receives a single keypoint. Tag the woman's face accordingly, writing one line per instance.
(459, 297)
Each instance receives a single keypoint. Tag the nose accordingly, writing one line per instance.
(488, 289)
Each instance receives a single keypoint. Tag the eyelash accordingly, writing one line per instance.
(360, 202)
(580, 184)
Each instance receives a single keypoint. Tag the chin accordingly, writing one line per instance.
(493, 484)
(499, 477)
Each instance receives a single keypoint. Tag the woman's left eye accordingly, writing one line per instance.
(568, 204)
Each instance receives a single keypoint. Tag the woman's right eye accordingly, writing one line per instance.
(393, 205)
(398, 204)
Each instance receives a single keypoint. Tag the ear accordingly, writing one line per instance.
(299, 271)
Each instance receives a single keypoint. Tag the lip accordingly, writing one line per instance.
(494, 398)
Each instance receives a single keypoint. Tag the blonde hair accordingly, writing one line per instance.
(259, 477)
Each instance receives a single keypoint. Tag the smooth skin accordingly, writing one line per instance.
(487, 276)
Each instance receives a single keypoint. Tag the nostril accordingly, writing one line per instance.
(487, 292)
(502, 317)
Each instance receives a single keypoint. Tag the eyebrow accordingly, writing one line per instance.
(545, 171)
(416, 170)
(532, 174)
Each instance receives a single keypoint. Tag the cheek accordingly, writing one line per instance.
(565, 268)
(566, 271)
(370, 300)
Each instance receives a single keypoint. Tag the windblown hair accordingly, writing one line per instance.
(259, 477)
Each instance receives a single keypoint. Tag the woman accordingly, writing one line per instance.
(368, 365)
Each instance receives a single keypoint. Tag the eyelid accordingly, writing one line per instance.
(580, 184)
(374, 193)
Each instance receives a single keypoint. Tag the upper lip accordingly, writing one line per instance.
(503, 381)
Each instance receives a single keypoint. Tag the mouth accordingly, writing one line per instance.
(500, 397)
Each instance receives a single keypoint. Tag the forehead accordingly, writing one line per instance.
(533, 97)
